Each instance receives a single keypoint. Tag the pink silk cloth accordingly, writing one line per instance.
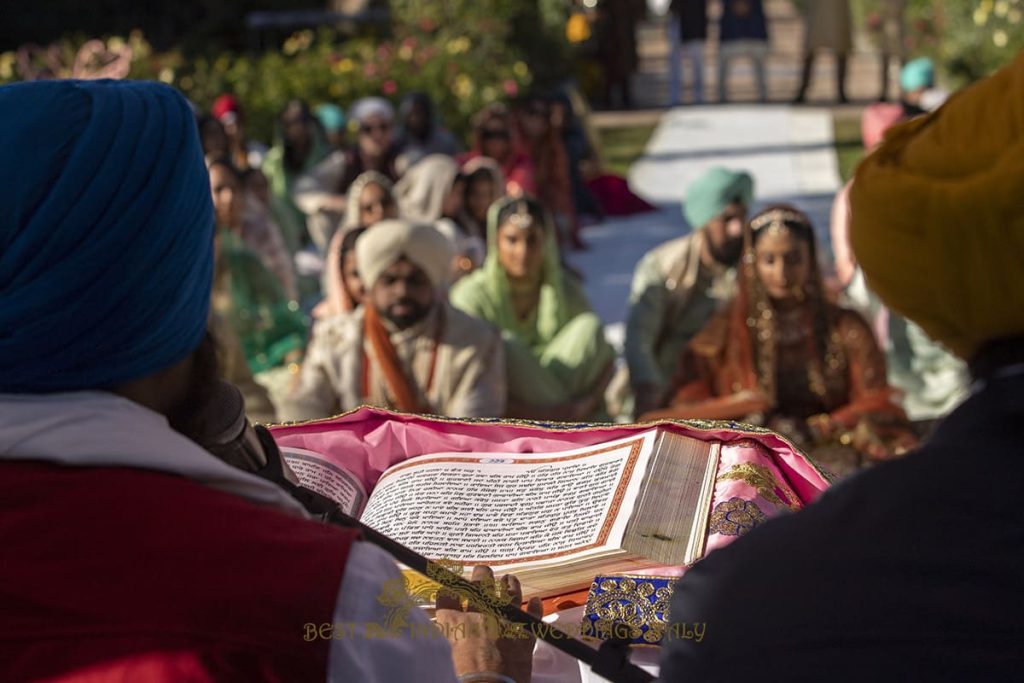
(760, 474)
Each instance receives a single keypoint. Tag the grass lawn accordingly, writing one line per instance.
(621, 146)
(849, 147)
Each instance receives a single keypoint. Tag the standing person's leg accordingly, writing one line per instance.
(893, 43)
(724, 55)
(694, 51)
(674, 58)
(805, 78)
(759, 53)
(883, 95)
(841, 61)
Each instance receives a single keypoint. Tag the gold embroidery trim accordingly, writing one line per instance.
(762, 479)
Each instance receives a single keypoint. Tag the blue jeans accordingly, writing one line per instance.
(692, 50)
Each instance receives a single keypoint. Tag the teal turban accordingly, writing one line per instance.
(106, 234)
(917, 74)
(331, 117)
(712, 192)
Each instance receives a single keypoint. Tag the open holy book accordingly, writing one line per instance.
(554, 519)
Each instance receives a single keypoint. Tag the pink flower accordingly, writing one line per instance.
(510, 87)
(369, 70)
(389, 88)
(427, 24)
(410, 43)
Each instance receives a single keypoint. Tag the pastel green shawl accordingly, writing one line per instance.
(485, 292)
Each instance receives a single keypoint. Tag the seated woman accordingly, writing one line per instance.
(271, 329)
(558, 362)
(244, 215)
(543, 143)
(485, 184)
(433, 191)
(370, 200)
(783, 356)
(495, 137)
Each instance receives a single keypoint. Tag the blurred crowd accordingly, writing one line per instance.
(367, 257)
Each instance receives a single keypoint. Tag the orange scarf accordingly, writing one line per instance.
(387, 359)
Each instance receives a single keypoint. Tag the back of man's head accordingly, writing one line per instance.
(106, 234)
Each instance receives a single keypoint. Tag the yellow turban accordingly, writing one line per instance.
(938, 216)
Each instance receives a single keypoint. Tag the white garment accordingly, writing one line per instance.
(99, 429)
(255, 153)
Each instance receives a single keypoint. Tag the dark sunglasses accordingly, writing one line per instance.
(495, 135)
(370, 128)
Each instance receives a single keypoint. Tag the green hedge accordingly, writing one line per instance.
(969, 39)
(464, 53)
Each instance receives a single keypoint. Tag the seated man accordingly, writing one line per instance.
(910, 571)
(679, 285)
(130, 551)
(405, 347)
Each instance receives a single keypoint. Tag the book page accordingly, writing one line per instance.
(518, 508)
(326, 478)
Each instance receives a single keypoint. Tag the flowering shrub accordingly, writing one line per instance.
(980, 36)
(969, 39)
(462, 70)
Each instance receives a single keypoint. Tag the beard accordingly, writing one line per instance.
(727, 252)
(189, 417)
(416, 313)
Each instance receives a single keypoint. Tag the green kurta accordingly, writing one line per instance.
(290, 219)
(559, 352)
(248, 297)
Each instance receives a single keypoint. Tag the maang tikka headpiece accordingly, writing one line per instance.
(777, 221)
(521, 217)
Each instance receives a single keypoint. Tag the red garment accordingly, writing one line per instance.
(520, 177)
(615, 197)
(876, 120)
(120, 574)
(225, 104)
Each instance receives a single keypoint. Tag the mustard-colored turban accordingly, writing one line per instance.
(938, 216)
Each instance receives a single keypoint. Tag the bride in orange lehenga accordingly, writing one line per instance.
(783, 356)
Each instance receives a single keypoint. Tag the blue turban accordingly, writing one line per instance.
(917, 74)
(106, 234)
(716, 189)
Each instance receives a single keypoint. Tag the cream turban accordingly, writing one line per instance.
(371, 106)
(938, 216)
(388, 241)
